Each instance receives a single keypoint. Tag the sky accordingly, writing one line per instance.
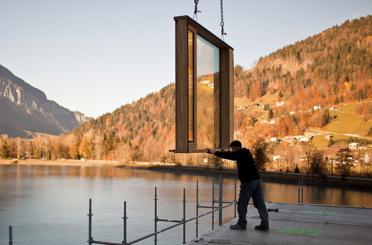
(93, 56)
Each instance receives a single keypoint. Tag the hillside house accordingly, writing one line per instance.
(276, 158)
(329, 137)
(367, 158)
(275, 140)
(242, 108)
(289, 139)
(279, 103)
(317, 107)
(303, 138)
(354, 146)
(263, 121)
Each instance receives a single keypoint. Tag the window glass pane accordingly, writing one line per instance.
(208, 80)
(191, 86)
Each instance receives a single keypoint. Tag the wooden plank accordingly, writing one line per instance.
(181, 86)
(202, 31)
(227, 97)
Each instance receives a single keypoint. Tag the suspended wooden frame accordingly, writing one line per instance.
(204, 88)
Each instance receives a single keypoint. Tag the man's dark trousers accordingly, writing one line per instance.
(252, 189)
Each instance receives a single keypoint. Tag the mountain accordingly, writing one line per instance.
(331, 67)
(25, 110)
(276, 98)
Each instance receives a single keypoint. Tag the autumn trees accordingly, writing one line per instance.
(344, 161)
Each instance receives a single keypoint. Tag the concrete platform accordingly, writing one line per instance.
(299, 224)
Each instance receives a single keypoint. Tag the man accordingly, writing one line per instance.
(250, 185)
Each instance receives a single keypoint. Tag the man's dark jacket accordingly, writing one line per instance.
(247, 169)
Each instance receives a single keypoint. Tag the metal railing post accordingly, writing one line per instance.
(302, 190)
(156, 217)
(220, 203)
(213, 204)
(125, 217)
(90, 237)
(184, 216)
(10, 235)
(197, 210)
(298, 192)
(235, 199)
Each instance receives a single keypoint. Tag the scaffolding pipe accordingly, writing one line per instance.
(184, 216)
(197, 210)
(220, 203)
(162, 230)
(302, 190)
(170, 227)
(235, 198)
(156, 217)
(298, 192)
(213, 203)
(90, 237)
(10, 235)
(125, 217)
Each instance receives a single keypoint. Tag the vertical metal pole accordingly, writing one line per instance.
(156, 217)
(90, 238)
(213, 204)
(197, 210)
(184, 216)
(125, 217)
(10, 235)
(298, 192)
(235, 199)
(220, 203)
(302, 190)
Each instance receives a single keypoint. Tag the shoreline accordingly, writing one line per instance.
(353, 183)
(61, 162)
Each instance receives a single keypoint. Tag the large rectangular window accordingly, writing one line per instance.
(204, 88)
(208, 78)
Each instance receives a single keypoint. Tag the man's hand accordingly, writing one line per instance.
(211, 151)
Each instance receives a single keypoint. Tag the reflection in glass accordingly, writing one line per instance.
(208, 80)
(190, 86)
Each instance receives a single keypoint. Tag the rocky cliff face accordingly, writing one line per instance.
(25, 110)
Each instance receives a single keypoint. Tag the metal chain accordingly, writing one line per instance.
(223, 33)
(196, 11)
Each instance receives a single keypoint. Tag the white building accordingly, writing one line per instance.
(289, 139)
(354, 146)
(303, 138)
(317, 107)
(276, 158)
(275, 140)
(367, 158)
(279, 103)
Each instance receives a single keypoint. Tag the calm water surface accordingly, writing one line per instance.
(48, 205)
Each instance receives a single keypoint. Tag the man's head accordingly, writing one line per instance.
(235, 145)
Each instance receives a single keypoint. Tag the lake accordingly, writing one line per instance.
(49, 204)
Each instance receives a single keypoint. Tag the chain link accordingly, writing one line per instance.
(223, 33)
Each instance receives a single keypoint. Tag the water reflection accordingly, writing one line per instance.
(36, 199)
(208, 80)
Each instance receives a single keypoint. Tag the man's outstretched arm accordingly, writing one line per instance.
(223, 154)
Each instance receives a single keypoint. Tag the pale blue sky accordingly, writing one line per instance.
(96, 55)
